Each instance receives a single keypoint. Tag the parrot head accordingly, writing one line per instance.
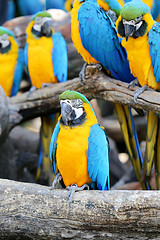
(42, 24)
(132, 23)
(5, 36)
(72, 108)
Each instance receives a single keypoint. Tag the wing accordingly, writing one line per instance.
(53, 147)
(99, 38)
(18, 72)
(154, 43)
(98, 159)
(59, 57)
(155, 11)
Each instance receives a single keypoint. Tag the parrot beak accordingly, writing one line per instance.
(66, 111)
(129, 30)
(46, 28)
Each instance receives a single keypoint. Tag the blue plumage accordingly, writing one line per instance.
(98, 151)
(58, 4)
(59, 57)
(154, 36)
(18, 72)
(29, 7)
(98, 32)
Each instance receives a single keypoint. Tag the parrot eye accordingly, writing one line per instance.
(77, 103)
(38, 20)
(138, 19)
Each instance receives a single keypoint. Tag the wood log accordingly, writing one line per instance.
(31, 211)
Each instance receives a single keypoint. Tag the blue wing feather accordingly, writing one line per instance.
(98, 159)
(154, 43)
(99, 37)
(18, 72)
(53, 147)
(59, 57)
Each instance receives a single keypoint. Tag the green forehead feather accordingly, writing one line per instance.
(114, 6)
(42, 14)
(72, 95)
(133, 9)
(4, 30)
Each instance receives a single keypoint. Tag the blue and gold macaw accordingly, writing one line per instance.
(141, 39)
(46, 61)
(29, 7)
(69, 5)
(95, 38)
(79, 148)
(11, 62)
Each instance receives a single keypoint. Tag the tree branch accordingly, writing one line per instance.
(30, 211)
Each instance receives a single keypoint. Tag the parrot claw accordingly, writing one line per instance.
(141, 90)
(74, 188)
(57, 179)
(133, 83)
(82, 73)
(31, 90)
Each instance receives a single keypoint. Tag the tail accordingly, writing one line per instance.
(151, 150)
(44, 164)
(157, 157)
(125, 119)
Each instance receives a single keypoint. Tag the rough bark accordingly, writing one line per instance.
(30, 211)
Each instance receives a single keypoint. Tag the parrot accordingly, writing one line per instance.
(79, 148)
(46, 60)
(141, 39)
(11, 10)
(11, 62)
(29, 7)
(95, 38)
(69, 5)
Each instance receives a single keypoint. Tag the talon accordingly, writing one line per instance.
(31, 90)
(74, 188)
(82, 73)
(141, 90)
(133, 83)
(57, 179)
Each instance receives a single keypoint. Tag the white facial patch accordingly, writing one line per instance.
(78, 112)
(39, 21)
(77, 106)
(138, 25)
(4, 40)
(132, 22)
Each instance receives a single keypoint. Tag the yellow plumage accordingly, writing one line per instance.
(7, 67)
(40, 65)
(76, 36)
(71, 160)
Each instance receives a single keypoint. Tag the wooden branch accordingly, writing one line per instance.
(97, 85)
(30, 211)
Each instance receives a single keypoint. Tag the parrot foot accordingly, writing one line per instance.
(133, 83)
(31, 90)
(57, 179)
(46, 85)
(74, 188)
(82, 73)
(141, 90)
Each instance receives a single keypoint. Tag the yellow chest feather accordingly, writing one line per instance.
(8, 62)
(40, 65)
(76, 36)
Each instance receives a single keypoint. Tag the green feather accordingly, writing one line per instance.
(42, 14)
(133, 9)
(4, 30)
(73, 95)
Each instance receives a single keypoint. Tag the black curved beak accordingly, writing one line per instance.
(129, 30)
(46, 28)
(66, 111)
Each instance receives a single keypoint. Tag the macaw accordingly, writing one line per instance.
(58, 4)
(95, 38)
(11, 10)
(29, 7)
(79, 148)
(141, 39)
(11, 62)
(46, 61)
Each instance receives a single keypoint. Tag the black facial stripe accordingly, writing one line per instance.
(141, 31)
(77, 121)
(5, 49)
(40, 34)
